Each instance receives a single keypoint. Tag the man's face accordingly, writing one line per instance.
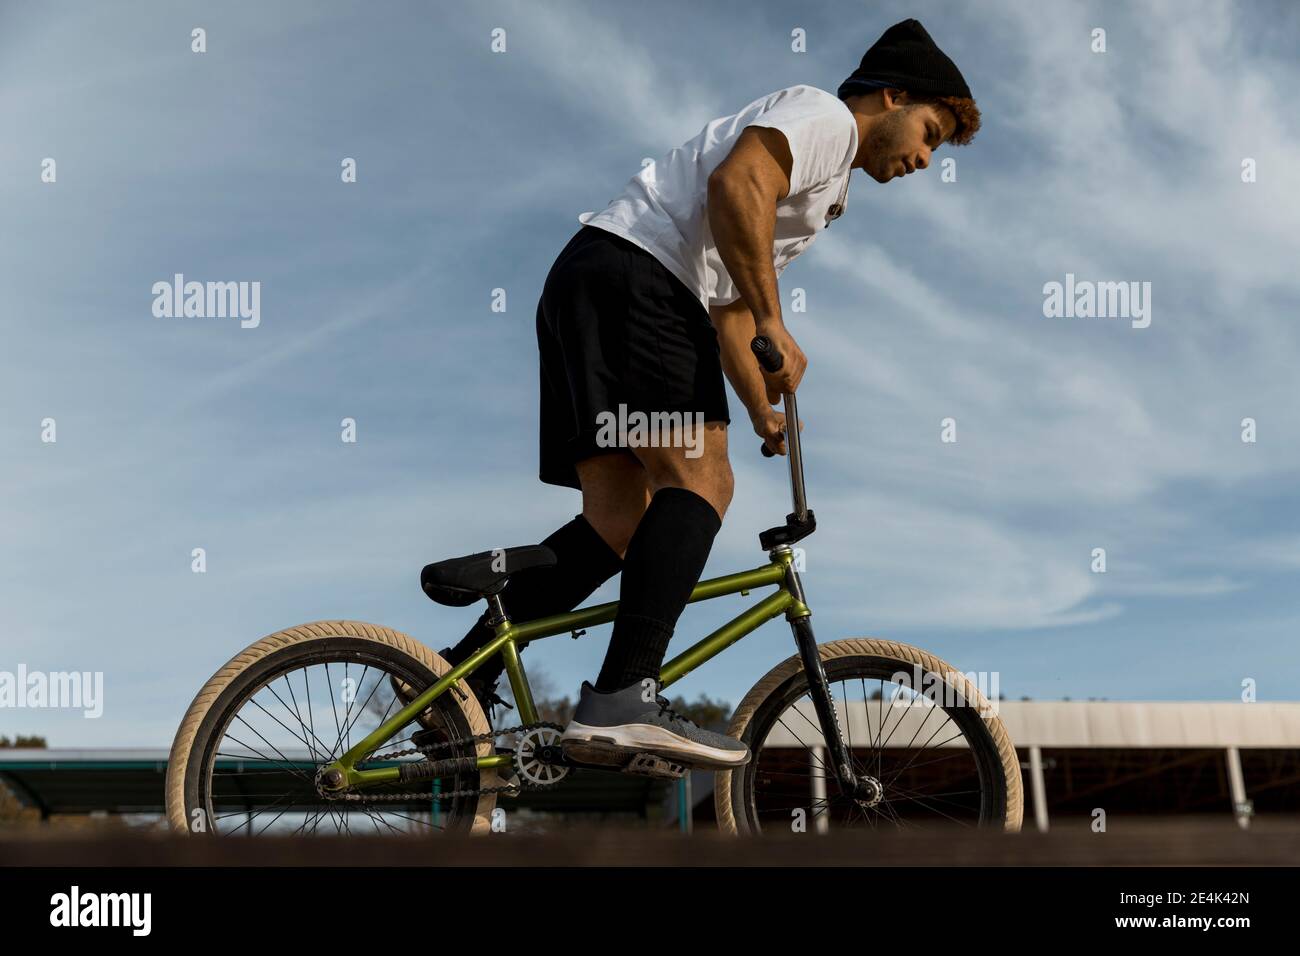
(903, 137)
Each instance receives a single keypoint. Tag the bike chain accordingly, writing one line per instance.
(428, 749)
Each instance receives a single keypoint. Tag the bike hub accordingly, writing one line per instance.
(868, 792)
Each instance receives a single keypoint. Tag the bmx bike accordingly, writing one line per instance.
(347, 727)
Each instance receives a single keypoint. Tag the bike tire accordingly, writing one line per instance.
(215, 706)
(1002, 795)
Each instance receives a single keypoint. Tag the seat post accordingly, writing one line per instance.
(498, 612)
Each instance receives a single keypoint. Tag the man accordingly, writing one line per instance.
(647, 307)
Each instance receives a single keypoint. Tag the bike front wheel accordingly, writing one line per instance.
(922, 731)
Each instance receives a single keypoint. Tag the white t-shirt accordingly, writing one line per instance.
(662, 208)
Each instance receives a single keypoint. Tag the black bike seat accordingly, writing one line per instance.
(457, 582)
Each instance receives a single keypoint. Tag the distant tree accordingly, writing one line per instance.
(552, 707)
(21, 741)
(704, 710)
(558, 709)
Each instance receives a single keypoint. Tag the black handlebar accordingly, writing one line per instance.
(771, 361)
(766, 353)
(800, 522)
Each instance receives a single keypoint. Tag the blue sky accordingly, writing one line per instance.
(924, 302)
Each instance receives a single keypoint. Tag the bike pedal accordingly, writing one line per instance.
(580, 754)
(652, 765)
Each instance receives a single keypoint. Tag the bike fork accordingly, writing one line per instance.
(820, 692)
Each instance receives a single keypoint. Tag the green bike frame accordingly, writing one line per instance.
(511, 637)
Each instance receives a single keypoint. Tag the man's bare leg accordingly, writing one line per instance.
(708, 475)
(690, 484)
(588, 551)
(622, 715)
(615, 494)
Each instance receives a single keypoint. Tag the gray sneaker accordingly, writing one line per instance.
(613, 728)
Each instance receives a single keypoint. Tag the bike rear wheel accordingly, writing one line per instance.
(246, 754)
(931, 739)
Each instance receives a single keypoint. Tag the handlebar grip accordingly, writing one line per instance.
(771, 361)
(768, 357)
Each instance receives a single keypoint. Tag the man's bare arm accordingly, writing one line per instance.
(743, 192)
(735, 325)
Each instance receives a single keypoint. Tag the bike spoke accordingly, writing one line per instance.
(310, 746)
(263, 769)
(285, 760)
(925, 768)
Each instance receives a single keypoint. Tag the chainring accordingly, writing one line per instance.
(535, 751)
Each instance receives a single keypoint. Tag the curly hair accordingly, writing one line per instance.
(963, 109)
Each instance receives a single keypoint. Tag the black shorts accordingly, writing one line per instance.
(614, 327)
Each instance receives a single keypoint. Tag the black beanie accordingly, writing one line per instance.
(907, 59)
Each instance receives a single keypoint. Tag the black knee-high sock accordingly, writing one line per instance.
(583, 562)
(664, 561)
